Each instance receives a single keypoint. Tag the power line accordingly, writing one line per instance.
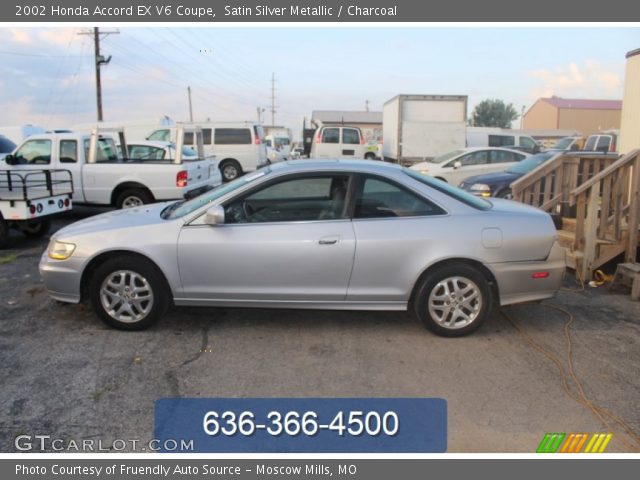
(21, 54)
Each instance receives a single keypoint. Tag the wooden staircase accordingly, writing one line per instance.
(597, 196)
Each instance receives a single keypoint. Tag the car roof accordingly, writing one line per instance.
(342, 164)
(475, 149)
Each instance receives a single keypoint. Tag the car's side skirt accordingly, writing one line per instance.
(196, 302)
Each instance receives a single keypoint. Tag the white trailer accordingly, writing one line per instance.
(29, 199)
(416, 128)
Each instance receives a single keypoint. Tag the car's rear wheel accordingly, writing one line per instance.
(230, 170)
(369, 156)
(128, 293)
(453, 300)
(133, 197)
(4, 232)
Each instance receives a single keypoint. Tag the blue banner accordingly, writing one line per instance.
(304, 425)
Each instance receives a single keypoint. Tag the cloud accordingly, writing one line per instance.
(21, 36)
(590, 80)
(58, 36)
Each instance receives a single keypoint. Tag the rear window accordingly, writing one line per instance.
(604, 142)
(350, 136)
(232, 136)
(501, 140)
(590, 144)
(450, 190)
(331, 135)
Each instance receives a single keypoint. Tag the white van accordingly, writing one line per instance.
(499, 137)
(278, 147)
(238, 147)
(338, 142)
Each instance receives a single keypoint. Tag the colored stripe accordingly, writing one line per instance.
(567, 444)
(542, 448)
(596, 445)
(558, 442)
(605, 443)
(590, 444)
(581, 443)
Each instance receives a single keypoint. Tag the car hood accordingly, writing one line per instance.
(127, 218)
(492, 178)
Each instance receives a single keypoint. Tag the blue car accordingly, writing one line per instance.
(498, 184)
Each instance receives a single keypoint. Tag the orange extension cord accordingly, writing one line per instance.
(605, 416)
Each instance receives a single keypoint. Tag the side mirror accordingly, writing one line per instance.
(457, 164)
(10, 160)
(214, 215)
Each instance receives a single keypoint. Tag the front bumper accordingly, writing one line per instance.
(516, 283)
(62, 277)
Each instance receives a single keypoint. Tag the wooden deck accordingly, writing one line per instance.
(598, 197)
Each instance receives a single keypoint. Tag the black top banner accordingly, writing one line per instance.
(210, 11)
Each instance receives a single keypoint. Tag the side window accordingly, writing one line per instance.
(604, 142)
(160, 135)
(68, 151)
(189, 138)
(232, 136)
(501, 140)
(295, 200)
(331, 135)
(34, 152)
(500, 156)
(590, 145)
(526, 142)
(146, 152)
(379, 198)
(350, 136)
(475, 158)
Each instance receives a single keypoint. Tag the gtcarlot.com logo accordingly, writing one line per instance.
(47, 443)
(574, 443)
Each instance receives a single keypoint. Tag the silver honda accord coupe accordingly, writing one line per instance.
(342, 235)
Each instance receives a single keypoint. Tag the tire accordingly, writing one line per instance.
(369, 156)
(36, 229)
(441, 179)
(431, 300)
(230, 170)
(115, 302)
(133, 197)
(4, 232)
(506, 194)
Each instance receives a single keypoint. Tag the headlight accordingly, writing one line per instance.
(481, 189)
(60, 250)
(424, 172)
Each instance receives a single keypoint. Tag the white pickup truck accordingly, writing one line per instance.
(102, 177)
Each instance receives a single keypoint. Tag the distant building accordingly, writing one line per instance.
(370, 123)
(585, 116)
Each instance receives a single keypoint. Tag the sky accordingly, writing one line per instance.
(47, 75)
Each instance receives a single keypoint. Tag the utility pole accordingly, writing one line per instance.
(366, 105)
(273, 99)
(99, 61)
(190, 105)
(260, 111)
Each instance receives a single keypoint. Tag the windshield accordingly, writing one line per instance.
(182, 207)
(563, 143)
(446, 156)
(450, 190)
(528, 164)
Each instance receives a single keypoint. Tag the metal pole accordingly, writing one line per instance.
(273, 99)
(96, 42)
(190, 105)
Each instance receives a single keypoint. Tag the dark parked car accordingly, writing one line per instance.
(498, 184)
(6, 146)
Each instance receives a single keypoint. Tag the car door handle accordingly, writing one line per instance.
(328, 240)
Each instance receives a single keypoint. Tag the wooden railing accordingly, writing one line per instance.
(608, 207)
(549, 186)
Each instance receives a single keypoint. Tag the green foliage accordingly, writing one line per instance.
(493, 113)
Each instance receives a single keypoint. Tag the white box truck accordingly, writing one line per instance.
(416, 128)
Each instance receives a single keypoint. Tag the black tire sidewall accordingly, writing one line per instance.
(4, 232)
(233, 164)
(147, 270)
(505, 193)
(430, 281)
(133, 192)
(45, 226)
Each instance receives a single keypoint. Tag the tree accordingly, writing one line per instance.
(493, 113)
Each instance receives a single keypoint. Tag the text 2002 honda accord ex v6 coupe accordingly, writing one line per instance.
(344, 235)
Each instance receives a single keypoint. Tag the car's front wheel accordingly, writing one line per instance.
(453, 300)
(128, 293)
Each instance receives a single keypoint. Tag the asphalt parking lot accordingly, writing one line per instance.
(67, 375)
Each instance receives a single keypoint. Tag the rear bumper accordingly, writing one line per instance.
(516, 283)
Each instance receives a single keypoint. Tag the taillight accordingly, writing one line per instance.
(318, 137)
(66, 202)
(613, 146)
(182, 179)
(257, 140)
(538, 275)
(32, 209)
(361, 140)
